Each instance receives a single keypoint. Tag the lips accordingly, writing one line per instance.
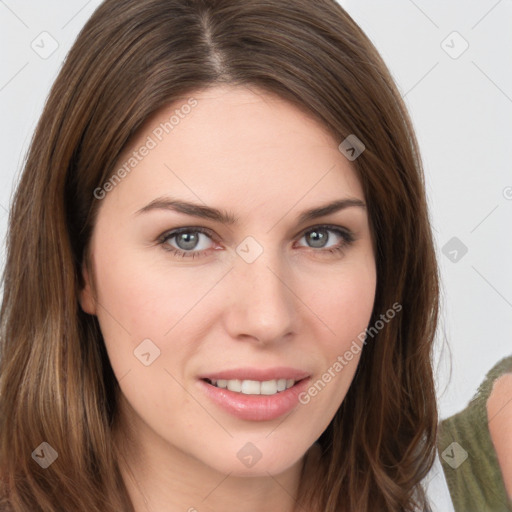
(264, 406)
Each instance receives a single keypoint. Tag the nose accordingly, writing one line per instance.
(262, 305)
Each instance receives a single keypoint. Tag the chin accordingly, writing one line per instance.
(256, 458)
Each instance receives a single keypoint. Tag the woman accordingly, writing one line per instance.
(221, 284)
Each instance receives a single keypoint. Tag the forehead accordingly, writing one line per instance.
(234, 144)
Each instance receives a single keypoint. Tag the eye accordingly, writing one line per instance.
(187, 242)
(194, 242)
(319, 237)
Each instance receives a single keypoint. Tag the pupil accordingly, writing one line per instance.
(187, 241)
(318, 237)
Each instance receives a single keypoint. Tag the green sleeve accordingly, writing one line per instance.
(467, 454)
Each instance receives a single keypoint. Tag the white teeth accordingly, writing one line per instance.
(254, 387)
(269, 387)
(251, 387)
(234, 385)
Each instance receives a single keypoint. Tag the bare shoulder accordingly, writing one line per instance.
(499, 413)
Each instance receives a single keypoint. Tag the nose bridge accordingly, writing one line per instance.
(263, 306)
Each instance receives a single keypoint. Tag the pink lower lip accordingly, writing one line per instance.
(255, 407)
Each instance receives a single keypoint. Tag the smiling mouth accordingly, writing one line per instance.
(254, 387)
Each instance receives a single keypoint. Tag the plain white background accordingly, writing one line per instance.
(452, 63)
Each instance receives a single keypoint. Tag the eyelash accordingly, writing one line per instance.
(347, 240)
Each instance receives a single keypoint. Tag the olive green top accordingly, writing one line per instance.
(468, 456)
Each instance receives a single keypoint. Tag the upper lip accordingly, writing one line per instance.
(261, 374)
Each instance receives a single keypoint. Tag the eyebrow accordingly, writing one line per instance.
(224, 217)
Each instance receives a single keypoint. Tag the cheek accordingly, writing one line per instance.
(147, 299)
(345, 300)
(140, 300)
(344, 305)
(150, 332)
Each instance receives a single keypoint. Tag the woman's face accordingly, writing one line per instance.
(250, 290)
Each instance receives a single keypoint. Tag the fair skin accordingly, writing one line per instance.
(297, 305)
(499, 412)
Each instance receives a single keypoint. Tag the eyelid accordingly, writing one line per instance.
(333, 227)
(185, 229)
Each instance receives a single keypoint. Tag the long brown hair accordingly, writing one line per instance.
(132, 58)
